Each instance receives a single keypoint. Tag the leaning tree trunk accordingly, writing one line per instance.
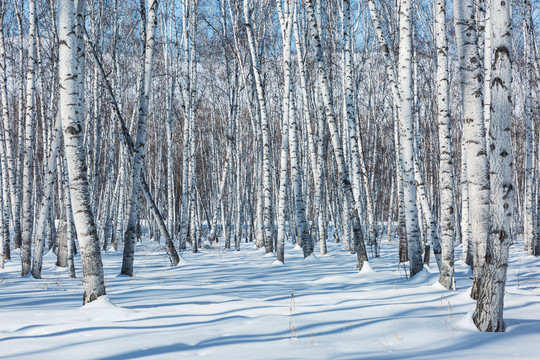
(130, 147)
(489, 308)
(343, 175)
(70, 23)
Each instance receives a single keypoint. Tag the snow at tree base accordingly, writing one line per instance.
(269, 179)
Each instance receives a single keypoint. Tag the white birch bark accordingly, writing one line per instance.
(313, 142)
(487, 54)
(466, 236)
(446, 176)
(283, 179)
(130, 147)
(474, 132)
(343, 176)
(8, 167)
(266, 174)
(488, 315)
(285, 12)
(140, 145)
(28, 215)
(186, 179)
(297, 175)
(45, 207)
(65, 246)
(406, 138)
(529, 231)
(70, 21)
(19, 152)
(358, 169)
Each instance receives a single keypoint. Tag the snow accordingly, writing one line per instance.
(366, 268)
(226, 304)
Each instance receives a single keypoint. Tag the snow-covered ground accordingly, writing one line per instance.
(223, 304)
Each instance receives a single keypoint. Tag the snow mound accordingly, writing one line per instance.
(439, 286)
(311, 258)
(103, 309)
(183, 261)
(467, 323)
(297, 247)
(268, 255)
(420, 277)
(102, 302)
(367, 269)
(50, 256)
(277, 263)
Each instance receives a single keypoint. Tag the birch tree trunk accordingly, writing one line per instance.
(19, 152)
(45, 207)
(406, 138)
(296, 175)
(474, 133)
(28, 209)
(267, 195)
(140, 145)
(285, 18)
(8, 168)
(71, 22)
(529, 231)
(343, 176)
(488, 315)
(358, 168)
(466, 237)
(130, 147)
(446, 166)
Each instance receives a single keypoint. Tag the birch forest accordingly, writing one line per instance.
(365, 129)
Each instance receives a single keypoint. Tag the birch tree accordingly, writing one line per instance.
(446, 176)
(266, 174)
(343, 176)
(139, 151)
(488, 315)
(70, 24)
(28, 215)
(8, 167)
(406, 137)
(529, 230)
(474, 132)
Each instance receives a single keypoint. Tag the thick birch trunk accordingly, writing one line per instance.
(406, 138)
(489, 308)
(474, 132)
(70, 22)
